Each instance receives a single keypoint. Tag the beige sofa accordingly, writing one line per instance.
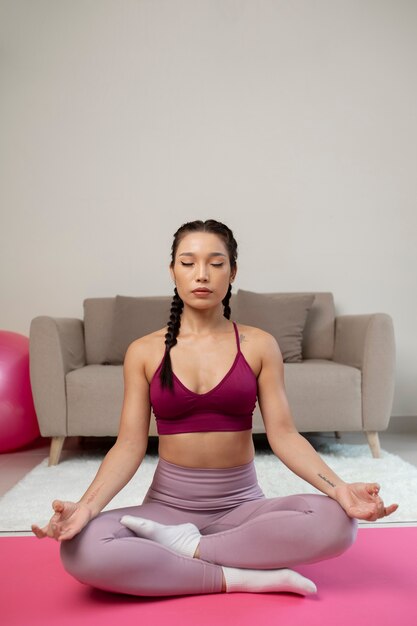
(345, 381)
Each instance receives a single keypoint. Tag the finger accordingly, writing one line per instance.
(55, 518)
(45, 531)
(39, 532)
(391, 508)
(373, 488)
(56, 530)
(384, 511)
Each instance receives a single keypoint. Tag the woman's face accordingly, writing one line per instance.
(202, 260)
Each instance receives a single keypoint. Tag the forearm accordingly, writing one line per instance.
(301, 458)
(117, 468)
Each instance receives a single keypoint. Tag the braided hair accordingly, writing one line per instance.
(177, 304)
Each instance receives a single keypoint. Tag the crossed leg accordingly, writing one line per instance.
(109, 556)
(278, 532)
(261, 534)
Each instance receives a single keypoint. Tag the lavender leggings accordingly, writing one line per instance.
(240, 527)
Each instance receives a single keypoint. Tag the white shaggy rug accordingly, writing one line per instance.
(30, 501)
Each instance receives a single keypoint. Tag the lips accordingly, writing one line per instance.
(201, 291)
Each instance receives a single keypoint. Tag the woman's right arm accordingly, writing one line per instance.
(122, 460)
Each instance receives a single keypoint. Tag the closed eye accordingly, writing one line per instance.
(213, 264)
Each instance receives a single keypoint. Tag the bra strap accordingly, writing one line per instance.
(237, 336)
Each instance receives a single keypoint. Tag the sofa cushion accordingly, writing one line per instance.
(282, 315)
(134, 317)
(318, 333)
(98, 317)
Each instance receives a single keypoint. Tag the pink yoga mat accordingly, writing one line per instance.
(374, 583)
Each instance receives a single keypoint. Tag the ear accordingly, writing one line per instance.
(172, 273)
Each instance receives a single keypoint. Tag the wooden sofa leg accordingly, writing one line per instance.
(373, 441)
(337, 434)
(55, 450)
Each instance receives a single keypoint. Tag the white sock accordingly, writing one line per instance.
(183, 538)
(258, 581)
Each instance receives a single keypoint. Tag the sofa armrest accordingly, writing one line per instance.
(367, 342)
(56, 347)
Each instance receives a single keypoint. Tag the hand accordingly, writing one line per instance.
(69, 519)
(361, 500)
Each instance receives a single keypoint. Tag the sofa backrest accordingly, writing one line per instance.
(318, 335)
(98, 320)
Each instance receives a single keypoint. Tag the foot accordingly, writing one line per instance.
(259, 581)
(182, 538)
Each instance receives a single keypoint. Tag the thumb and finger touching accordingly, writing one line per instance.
(54, 527)
(362, 500)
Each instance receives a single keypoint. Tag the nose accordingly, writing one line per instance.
(202, 273)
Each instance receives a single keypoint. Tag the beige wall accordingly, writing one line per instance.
(293, 122)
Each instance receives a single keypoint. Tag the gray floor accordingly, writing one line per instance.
(400, 438)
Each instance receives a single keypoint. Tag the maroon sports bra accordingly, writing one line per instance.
(228, 406)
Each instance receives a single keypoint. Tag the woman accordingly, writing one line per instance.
(205, 526)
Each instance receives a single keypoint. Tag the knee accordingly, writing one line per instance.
(76, 557)
(334, 530)
(81, 556)
(344, 529)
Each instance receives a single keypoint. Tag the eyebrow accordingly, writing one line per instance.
(210, 254)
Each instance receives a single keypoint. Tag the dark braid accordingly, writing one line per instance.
(177, 305)
(226, 300)
(174, 323)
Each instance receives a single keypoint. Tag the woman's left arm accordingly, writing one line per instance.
(358, 499)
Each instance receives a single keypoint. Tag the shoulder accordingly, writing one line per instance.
(144, 349)
(264, 341)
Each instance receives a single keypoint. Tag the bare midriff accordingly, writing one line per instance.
(207, 449)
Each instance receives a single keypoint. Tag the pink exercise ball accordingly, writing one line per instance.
(18, 421)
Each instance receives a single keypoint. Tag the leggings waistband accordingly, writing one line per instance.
(203, 488)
